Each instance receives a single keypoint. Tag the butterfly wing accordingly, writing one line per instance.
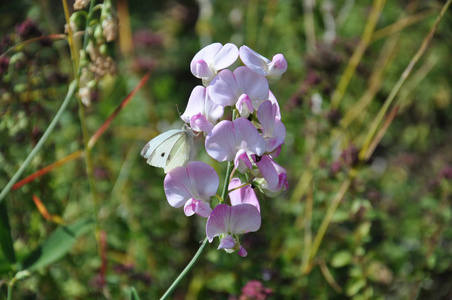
(181, 151)
(157, 150)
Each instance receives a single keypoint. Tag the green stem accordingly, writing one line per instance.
(204, 243)
(13, 180)
(10, 291)
(185, 271)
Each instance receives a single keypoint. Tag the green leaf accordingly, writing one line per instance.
(341, 259)
(57, 245)
(6, 240)
(134, 294)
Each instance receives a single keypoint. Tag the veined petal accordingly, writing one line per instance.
(266, 115)
(244, 218)
(201, 69)
(242, 161)
(272, 98)
(244, 106)
(197, 180)
(247, 137)
(252, 84)
(221, 142)
(228, 242)
(218, 221)
(225, 57)
(200, 123)
(224, 89)
(195, 103)
(204, 180)
(254, 60)
(277, 66)
(243, 195)
(207, 54)
(199, 207)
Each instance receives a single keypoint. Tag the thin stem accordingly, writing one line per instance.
(224, 194)
(185, 271)
(378, 119)
(358, 54)
(13, 180)
(10, 291)
(329, 216)
(239, 187)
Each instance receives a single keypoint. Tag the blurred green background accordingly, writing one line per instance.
(390, 236)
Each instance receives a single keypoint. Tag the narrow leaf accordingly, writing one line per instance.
(58, 244)
(6, 240)
(134, 294)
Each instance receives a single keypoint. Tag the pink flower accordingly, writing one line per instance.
(243, 195)
(273, 130)
(227, 88)
(201, 112)
(212, 58)
(192, 186)
(274, 176)
(235, 141)
(262, 65)
(228, 221)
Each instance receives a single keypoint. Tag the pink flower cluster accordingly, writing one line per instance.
(250, 142)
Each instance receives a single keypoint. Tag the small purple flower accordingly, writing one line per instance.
(228, 221)
(262, 65)
(273, 130)
(211, 59)
(274, 176)
(243, 195)
(235, 141)
(227, 88)
(191, 187)
(201, 112)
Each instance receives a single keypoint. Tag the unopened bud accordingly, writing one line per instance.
(80, 4)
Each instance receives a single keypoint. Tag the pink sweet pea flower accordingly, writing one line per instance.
(262, 65)
(227, 88)
(243, 195)
(192, 186)
(272, 98)
(228, 221)
(274, 176)
(201, 112)
(235, 141)
(211, 59)
(273, 130)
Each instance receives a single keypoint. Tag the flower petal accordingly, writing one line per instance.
(254, 60)
(218, 221)
(252, 84)
(247, 137)
(220, 142)
(200, 123)
(228, 242)
(244, 218)
(243, 195)
(225, 57)
(195, 103)
(197, 180)
(224, 89)
(207, 54)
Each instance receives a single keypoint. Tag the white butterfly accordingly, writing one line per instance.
(170, 149)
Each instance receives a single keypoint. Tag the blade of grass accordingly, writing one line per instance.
(384, 59)
(328, 277)
(45, 213)
(338, 94)
(47, 169)
(329, 215)
(21, 44)
(92, 140)
(378, 119)
(401, 24)
(37, 148)
(381, 132)
(123, 104)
